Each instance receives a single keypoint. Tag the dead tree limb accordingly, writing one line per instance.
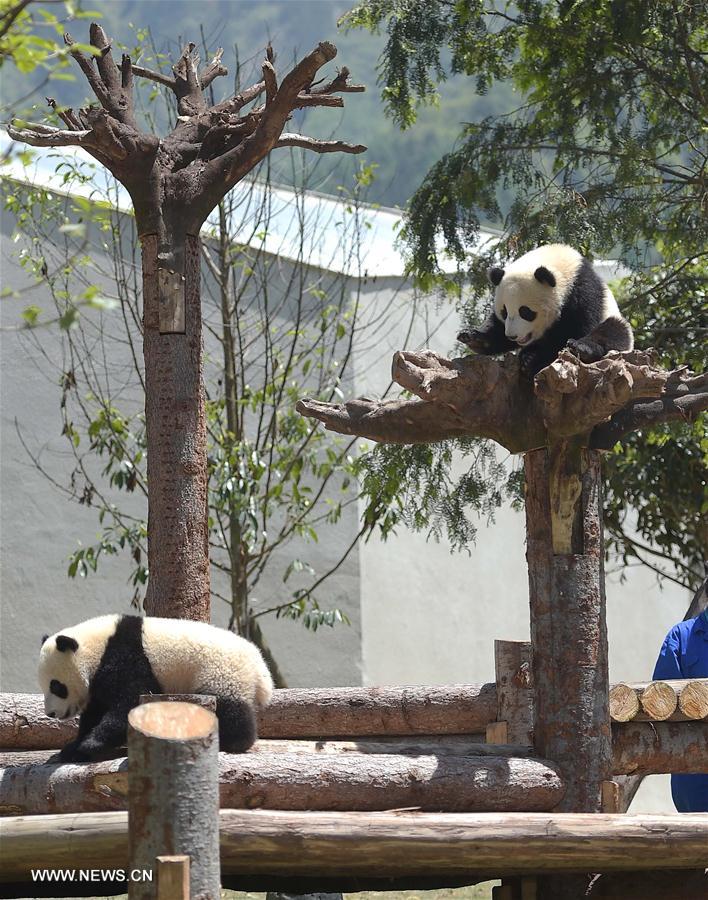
(478, 396)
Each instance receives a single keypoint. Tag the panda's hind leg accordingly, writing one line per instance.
(614, 333)
(237, 725)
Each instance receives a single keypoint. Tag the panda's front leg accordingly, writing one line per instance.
(489, 339)
(97, 735)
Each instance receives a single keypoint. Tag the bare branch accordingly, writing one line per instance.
(159, 77)
(87, 67)
(338, 85)
(270, 81)
(213, 70)
(44, 136)
(307, 143)
(66, 115)
(304, 100)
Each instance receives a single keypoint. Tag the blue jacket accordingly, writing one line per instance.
(684, 654)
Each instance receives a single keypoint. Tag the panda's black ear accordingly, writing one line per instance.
(64, 643)
(44, 639)
(544, 276)
(495, 275)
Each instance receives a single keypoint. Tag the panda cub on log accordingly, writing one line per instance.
(100, 668)
(548, 299)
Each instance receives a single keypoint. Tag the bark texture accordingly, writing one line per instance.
(354, 711)
(385, 844)
(513, 674)
(568, 631)
(178, 533)
(651, 748)
(173, 794)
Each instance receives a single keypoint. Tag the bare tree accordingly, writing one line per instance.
(174, 182)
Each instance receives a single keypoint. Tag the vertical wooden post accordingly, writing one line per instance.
(568, 629)
(512, 673)
(173, 794)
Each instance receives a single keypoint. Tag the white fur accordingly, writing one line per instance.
(519, 288)
(193, 657)
(186, 657)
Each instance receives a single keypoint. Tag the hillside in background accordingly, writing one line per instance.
(243, 28)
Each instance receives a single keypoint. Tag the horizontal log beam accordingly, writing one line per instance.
(447, 745)
(658, 748)
(382, 844)
(344, 781)
(300, 713)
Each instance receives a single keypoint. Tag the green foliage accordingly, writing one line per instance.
(605, 150)
(431, 495)
(28, 36)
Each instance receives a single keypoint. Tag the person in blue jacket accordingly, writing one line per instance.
(684, 654)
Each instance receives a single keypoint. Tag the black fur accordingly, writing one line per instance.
(125, 673)
(580, 327)
(543, 275)
(489, 339)
(237, 725)
(495, 275)
(66, 643)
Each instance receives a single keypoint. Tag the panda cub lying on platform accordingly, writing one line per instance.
(548, 299)
(101, 667)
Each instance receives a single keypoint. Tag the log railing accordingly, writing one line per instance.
(381, 844)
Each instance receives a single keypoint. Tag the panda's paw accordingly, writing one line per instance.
(529, 364)
(586, 351)
(76, 752)
(476, 340)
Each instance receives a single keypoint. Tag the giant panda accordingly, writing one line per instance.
(545, 300)
(100, 668)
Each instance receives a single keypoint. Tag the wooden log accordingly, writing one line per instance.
(617, 794)
(356, 712)
(657, 701)
(512, 671)
(173, 797)
(305, 781)
(446, 745)
(693, 699)
(300, 713)
(173, 878)
(656, 748)
(568, 631)
(624, 703)
(381, 844)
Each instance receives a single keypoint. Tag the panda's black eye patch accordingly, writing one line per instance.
(526, 313)
(58, 689)
(503, 312)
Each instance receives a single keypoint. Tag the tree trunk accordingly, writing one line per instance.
(568, 631)
(178, 537)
